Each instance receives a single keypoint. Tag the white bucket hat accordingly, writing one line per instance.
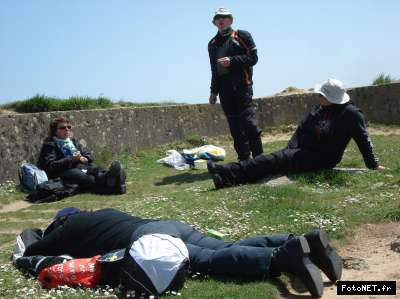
(333, 90)
(222, 11)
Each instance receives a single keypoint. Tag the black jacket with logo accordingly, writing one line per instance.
(328, 130)
(54, 162)
(242, 51)
(87, 234)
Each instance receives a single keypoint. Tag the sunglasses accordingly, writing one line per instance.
(218, 17)
(65, 127)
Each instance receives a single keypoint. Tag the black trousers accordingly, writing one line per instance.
(237, 105)
(248, 258)
(282, 161)
(89, 177)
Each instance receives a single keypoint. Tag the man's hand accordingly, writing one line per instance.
(77, 156)
(213, 99)
(224, 61)
(83, 160)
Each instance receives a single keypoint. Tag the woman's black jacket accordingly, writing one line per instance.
(54, 162)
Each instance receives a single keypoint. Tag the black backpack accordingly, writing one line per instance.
(32, 265)
(52, 190)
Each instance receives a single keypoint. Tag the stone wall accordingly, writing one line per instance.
(380, 104)
(127, 130)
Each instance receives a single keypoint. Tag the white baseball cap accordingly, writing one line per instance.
(333, 90)
(222, 11)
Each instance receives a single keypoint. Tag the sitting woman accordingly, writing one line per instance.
(318, 143)
(63, 156)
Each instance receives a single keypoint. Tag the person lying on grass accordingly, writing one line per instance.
(318, 142)
(85, 234)
(63, 156)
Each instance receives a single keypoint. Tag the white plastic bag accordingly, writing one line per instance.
(207, 152)
(175, 160)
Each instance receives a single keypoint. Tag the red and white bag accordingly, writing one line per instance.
(85, 272)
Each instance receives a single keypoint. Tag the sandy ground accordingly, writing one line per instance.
(371, 255)
(3, 111)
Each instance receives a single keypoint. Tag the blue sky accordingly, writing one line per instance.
(156, 50)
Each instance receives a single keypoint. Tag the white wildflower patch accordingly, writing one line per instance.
(328, 222)
(235, 224)
(195, 189)
(150, 206)
(244, 194)
(269, 229)
(8, 187)
(321, 188)
(155, 199)
(351, 200)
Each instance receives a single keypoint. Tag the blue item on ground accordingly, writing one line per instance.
(30, 176)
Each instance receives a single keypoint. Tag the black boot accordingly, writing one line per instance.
(256, 147)
(217, 174)
(116, 177)
(292, 258)
(220, 182)
(212, 167)
(121, 185)
(101, 183)
(323, 255)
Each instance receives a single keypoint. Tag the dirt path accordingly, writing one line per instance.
(14, 206)
(15, 232)
(368, 257)
(384, 131)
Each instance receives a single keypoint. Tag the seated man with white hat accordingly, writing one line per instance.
(318, 143)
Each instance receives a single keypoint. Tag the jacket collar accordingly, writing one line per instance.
(227, 32)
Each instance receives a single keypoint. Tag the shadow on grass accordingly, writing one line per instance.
(283, 290)
(333, 176)
(336, 177)
(225, 279)
(297, 286)
(183, 178)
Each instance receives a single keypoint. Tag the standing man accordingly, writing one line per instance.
(232, 56)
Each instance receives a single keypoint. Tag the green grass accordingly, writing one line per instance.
(43, 103)
(337, 201)
(383, 78)
(8, 193)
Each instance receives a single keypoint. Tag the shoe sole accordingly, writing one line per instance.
(112, 174)
(121, 187)
(331, 263)
(117, 178)
(217, 180)
(312, 276)
(210, 167)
